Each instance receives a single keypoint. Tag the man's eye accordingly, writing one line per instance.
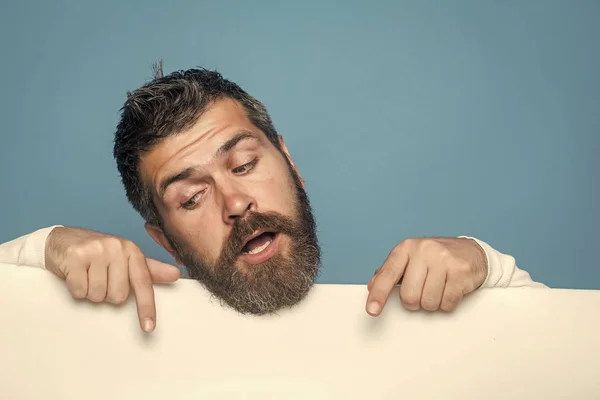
(191, 203)
(242, 169)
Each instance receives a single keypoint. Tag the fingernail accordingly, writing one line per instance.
(373, 308)
(148, 325)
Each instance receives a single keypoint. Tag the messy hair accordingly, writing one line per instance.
(166, 106)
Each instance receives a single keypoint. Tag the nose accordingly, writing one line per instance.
(237, 203)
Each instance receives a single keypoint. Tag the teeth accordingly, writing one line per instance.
(259, 248)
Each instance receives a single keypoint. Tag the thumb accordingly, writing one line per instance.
(161, 272)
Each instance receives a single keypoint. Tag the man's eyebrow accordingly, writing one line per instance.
(221, 151)
(231, 143)
(181, 176)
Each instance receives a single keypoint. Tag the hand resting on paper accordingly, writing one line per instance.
(101, 267)
(435, 273)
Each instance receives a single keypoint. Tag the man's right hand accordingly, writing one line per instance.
(103, 267)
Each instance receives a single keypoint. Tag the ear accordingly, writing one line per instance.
(287, 155)
(159, 237)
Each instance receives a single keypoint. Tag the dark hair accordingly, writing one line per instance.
(164, 107)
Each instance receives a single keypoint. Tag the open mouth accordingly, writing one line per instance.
(259, 243)
(260, 247)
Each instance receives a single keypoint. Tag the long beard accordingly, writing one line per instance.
(282, 281)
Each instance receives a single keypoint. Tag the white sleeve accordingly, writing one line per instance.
(503, 270)
(28, 250)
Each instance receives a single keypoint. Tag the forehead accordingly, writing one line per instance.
(216, 124)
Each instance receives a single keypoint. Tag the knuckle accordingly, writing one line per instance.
(431, 247)
(446, 306)
(143, 281)
(96, 297)
(74, 254)
(386, 273)
(409, 299)
(131, 247)
(95, 246)
(77, 287)
(450, 302)
(112, 243)
(443, 252)
(427, 244)
(78, 293)
(119, 297)
(463, 266)
(116, 300)
(396, 250)
(385, 277)
(97, 292)
(402, 246)
(430, 304)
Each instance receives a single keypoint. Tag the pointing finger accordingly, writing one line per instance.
(385, 280)
(141, 284)
(118, 280)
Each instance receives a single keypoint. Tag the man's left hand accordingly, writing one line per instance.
(435, 273)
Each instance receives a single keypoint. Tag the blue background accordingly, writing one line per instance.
(406, 119)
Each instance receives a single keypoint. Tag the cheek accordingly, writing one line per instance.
(200, 233)
(276, 193)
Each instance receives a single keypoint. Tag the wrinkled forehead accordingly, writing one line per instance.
(221, 119)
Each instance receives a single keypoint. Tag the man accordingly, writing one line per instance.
(203, 164)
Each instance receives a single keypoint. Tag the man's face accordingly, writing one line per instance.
(234, 211)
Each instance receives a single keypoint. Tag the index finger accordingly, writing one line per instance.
(141, 284)
(384, 281)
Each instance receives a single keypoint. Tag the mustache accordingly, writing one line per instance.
(245, 227)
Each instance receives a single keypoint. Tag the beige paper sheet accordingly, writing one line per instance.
(500, 344)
